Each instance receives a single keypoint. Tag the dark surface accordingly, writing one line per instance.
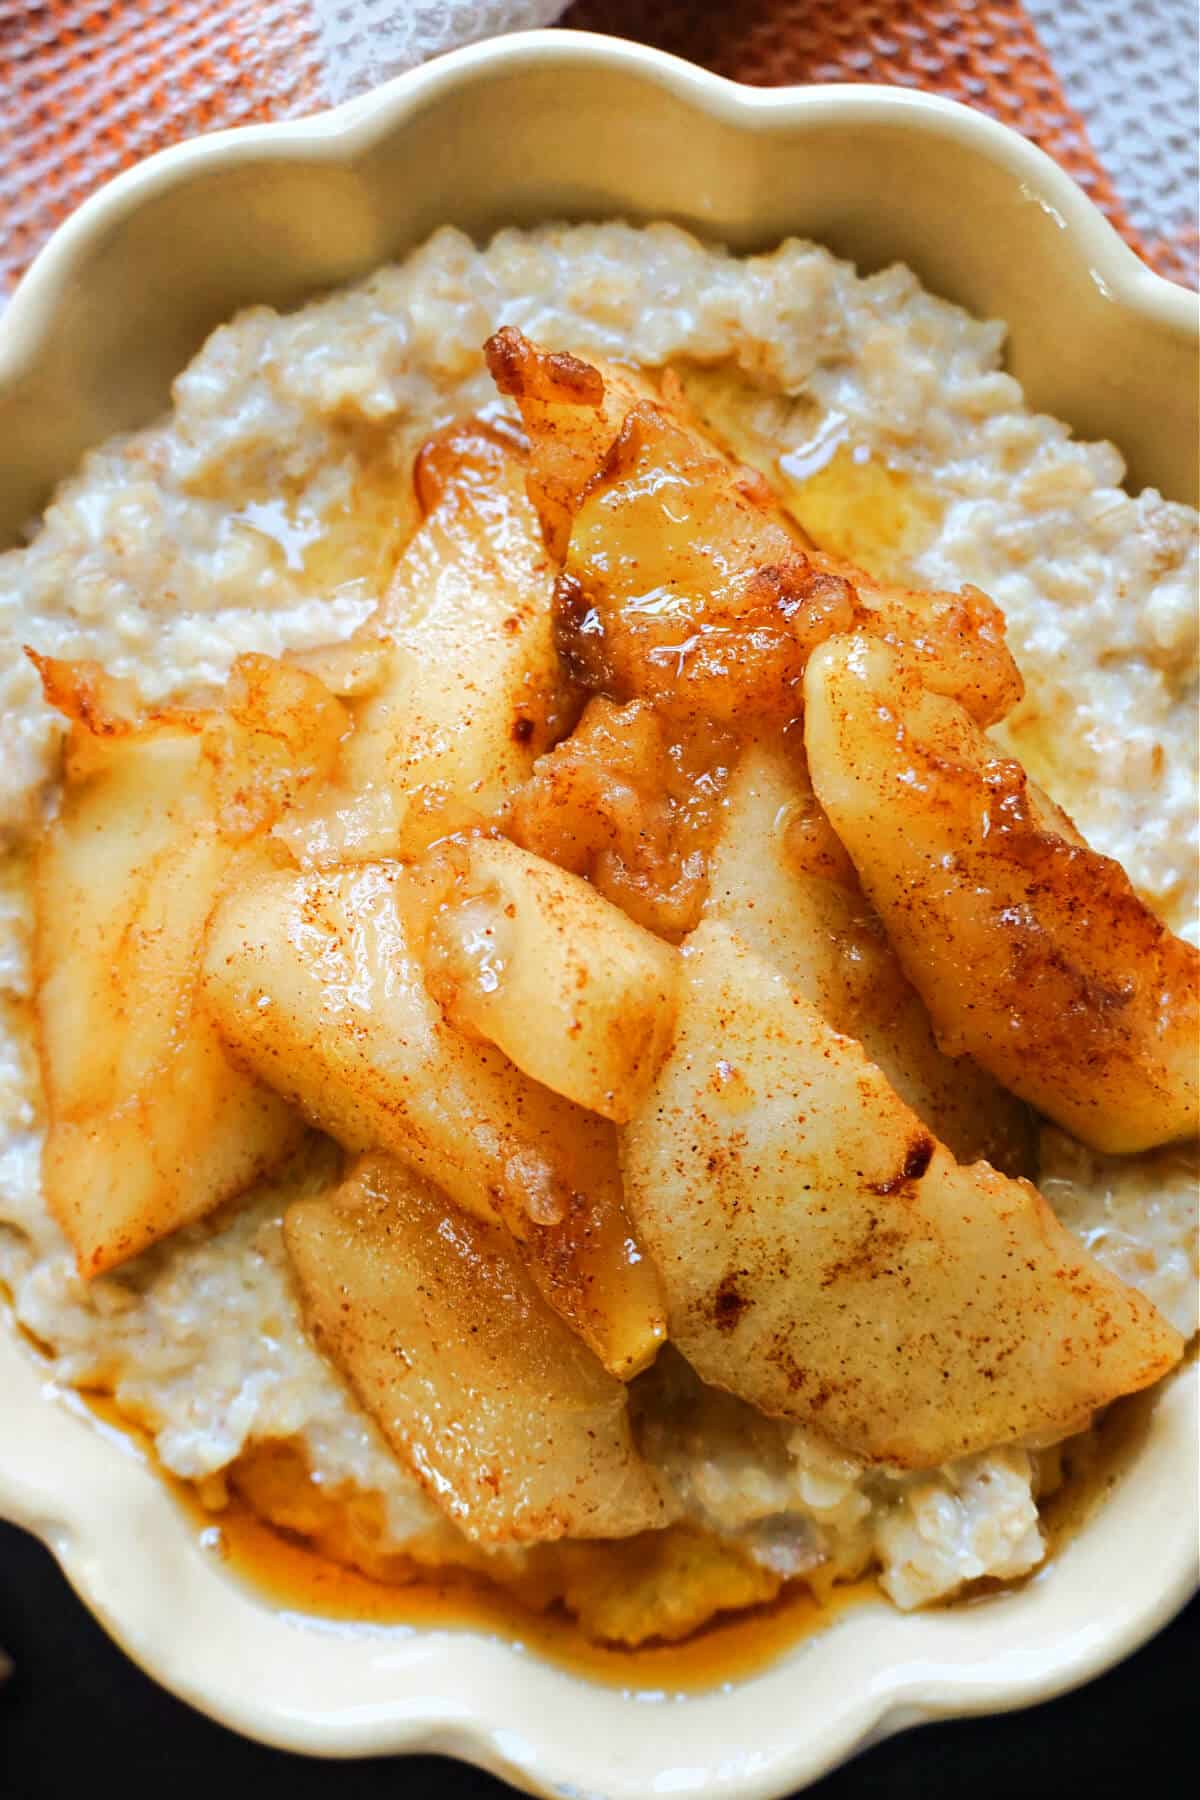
(76, 1713)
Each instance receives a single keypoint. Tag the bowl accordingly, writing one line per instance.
(550, 124)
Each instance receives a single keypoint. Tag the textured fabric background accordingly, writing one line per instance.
(1133, 72)
(365, 41)
(1108, 87)
(1110, 60)
(87, 89)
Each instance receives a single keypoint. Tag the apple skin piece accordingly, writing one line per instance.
(828, 1261)
(508, 1421)
(534, 960)
(316, 981)
(150, 1123)
(781, 880)
(1032, 951)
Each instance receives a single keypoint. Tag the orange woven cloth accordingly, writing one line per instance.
(88, 88)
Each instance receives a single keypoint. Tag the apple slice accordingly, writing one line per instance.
(316, 981)
(467, 689)
(150, 1123)
(827, 1260)
(534, 960)
(683, 581)
(1032, 951)
(508, 1421)
(781, 880)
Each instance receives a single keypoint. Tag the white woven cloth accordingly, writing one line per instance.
(363, 42)
(1133, 73)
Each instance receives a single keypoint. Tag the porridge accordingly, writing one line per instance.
(268, 514)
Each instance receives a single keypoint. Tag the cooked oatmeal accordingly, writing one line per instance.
(266, 512)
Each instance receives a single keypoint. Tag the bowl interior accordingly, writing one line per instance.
(877, 175)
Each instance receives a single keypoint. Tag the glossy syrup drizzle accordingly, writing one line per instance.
(287, 1574)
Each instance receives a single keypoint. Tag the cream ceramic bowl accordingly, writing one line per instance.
(545, 125)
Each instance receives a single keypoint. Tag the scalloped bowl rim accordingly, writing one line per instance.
(334, 1690)
(335, 134)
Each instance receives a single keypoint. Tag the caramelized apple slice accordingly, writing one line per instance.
(316, 982)
(1031, 951)
(681, 582)
(956, 639)
(534, 960)
(781, 880)
(277, 734)
(827, 1260)
(507, 1420)
(573, 414)
(468, 691)
(150, 1124)
(632, 801)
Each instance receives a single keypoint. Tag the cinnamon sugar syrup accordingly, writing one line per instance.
(285, 1573)
(289, 1575)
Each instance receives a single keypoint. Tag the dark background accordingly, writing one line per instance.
(75, 1716)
